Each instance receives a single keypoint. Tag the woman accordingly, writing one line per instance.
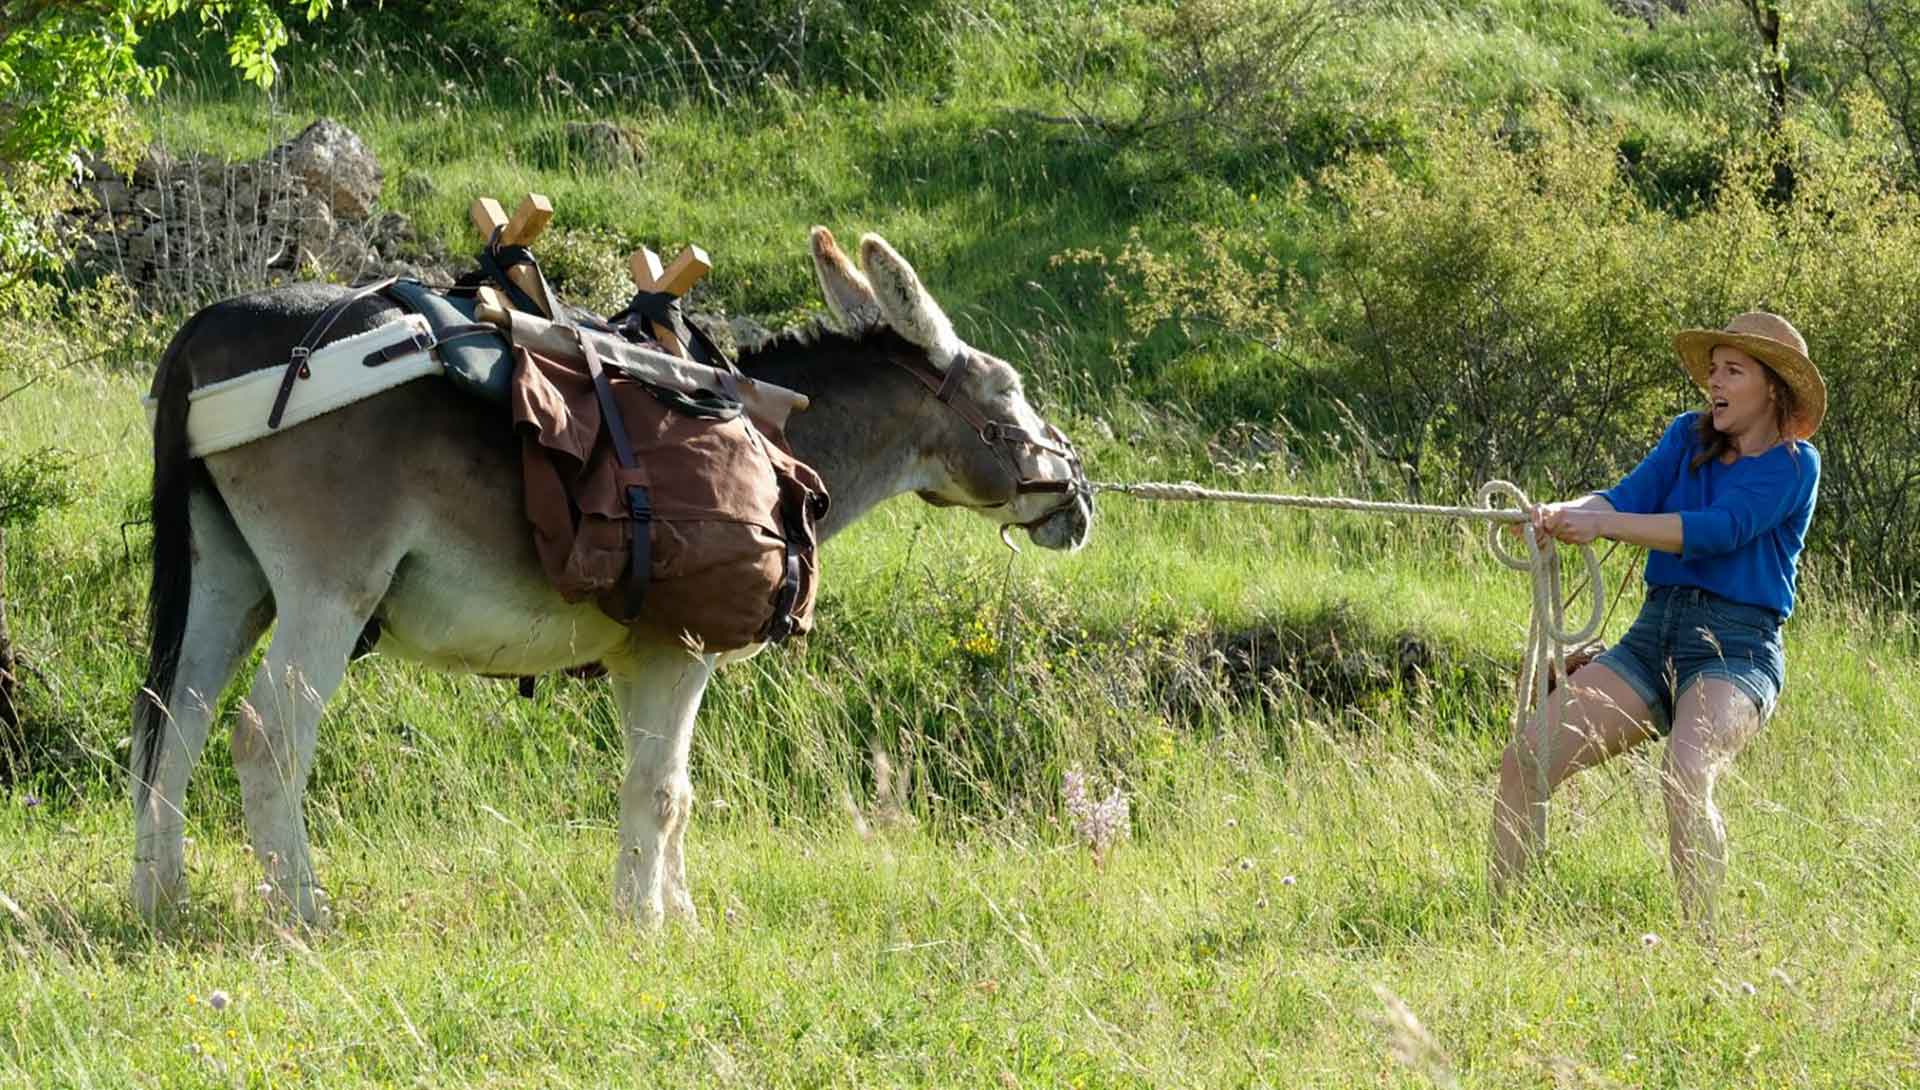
(1722, 504)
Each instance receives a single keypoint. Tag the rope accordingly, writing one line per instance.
(1547, 635)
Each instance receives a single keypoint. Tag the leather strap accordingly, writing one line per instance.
(639, 504)
(316, 333)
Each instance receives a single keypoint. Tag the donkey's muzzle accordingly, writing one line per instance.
(1067, 526)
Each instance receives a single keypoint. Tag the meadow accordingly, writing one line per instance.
(1304, 711)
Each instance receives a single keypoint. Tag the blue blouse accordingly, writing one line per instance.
(1742, 524)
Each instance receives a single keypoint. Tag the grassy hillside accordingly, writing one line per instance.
(1448, 244)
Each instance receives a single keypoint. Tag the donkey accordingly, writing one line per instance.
(405, 510)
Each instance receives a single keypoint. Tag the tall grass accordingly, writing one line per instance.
(1305, 711)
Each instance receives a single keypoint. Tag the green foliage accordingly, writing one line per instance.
(1880, 41)
(696, 49)
(1469, 238)
(1496, 314)
(34, 484)
(68, 71)
(1508, 312)
(1187, 74)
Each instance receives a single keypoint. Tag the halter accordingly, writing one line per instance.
(1005, 440)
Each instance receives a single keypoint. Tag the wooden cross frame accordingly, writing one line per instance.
(529, 220)
(687, 269)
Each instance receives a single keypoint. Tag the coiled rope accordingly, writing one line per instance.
(1547, 635)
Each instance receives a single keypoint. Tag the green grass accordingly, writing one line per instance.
(1304, 842)
(467, 838)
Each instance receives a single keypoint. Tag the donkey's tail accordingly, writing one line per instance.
(174, 475)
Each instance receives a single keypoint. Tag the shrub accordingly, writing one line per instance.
(1170, 75)
(1505, 307)
(1510, 312)
(1492, 315)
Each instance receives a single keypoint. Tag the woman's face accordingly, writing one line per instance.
(1740, 394)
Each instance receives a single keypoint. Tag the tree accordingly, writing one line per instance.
(1769, 19)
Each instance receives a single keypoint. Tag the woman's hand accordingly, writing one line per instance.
(1568, 523)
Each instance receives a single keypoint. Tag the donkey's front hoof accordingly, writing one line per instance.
(680, 909)
(157, 891)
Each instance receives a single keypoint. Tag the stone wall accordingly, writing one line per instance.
(196, 228)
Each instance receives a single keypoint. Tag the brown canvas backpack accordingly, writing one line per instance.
(696, 520)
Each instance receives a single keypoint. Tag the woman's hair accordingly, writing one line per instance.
(1714, 442)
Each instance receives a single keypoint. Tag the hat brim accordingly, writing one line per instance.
(1696, 346)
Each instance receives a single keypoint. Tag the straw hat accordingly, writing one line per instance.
(1773, 341)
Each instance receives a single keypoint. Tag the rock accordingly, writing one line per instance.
(153, 203)
(154, 166)
(145, 246)
(391, 233)
(747, 333)
(604, 145)
(331, 160)
(346, 255)
(113, 194)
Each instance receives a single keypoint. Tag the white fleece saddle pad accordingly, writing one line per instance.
(227, 414)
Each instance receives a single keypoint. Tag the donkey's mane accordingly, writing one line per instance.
(811, 356)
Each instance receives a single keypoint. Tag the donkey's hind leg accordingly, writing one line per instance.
(275, 736)
(228, 608)
(659, 695)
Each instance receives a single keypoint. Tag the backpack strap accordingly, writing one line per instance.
(639, 505)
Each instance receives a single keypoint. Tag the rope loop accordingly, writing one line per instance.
(1547, 635)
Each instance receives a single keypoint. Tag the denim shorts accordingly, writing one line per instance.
(1687, 633)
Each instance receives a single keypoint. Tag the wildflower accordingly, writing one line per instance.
(1649, 940)
(264, 889)
(30, 801)
(1287, 881)
(1233, 823)
(1098, 824)
(1245, 863)
(1747, 988)
(218, 1001)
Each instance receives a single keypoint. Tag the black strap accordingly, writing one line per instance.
(495, 260)
(782, 623)
(665, 309)
(297, 359)
(639, 505)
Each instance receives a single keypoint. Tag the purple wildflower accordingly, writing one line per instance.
(1101, 824)
(30, 801)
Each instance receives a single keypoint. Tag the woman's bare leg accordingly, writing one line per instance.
(1713, 720)
(1600, 716)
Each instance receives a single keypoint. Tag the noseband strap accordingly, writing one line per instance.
(1000, 437)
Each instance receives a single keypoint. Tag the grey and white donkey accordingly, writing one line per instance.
(405, 510)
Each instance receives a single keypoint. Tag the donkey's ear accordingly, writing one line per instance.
(849, 297)
(904, 301)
